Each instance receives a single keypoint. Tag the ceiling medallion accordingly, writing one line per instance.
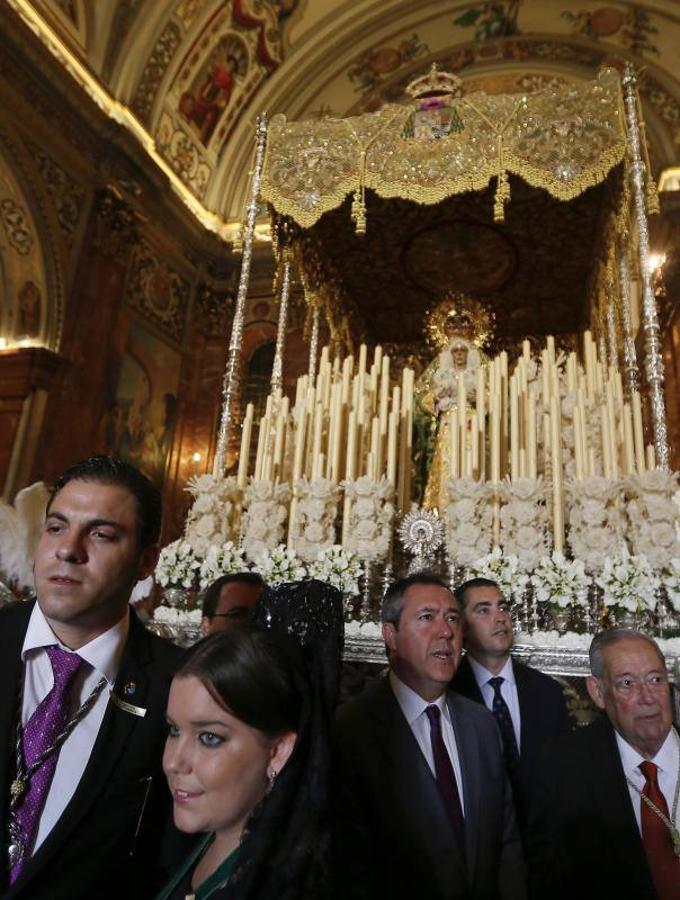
(459, 315)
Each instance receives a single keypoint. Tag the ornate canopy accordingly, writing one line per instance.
(563, 139)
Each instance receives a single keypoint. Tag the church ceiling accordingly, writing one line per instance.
(196, 72)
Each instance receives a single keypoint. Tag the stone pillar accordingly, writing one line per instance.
(26, 374)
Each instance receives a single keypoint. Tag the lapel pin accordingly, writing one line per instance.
(129, 688)
(128, 707)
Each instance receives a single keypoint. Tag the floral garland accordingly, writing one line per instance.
(629, 583)
(339, 568)
(653, 516)
(226, 559)
(671, 583)
(369, 530)
(468, 519)
(279, 565)
(596, 523)
(505, 570)
(169, 615)
(559, 582)
(266, 506)
(211, 519)
(315, 512)
(177, 565)
(524, 521)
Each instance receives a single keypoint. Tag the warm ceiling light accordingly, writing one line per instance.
(196, 457)
(656, 260)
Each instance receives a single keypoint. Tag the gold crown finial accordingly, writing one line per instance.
(458, 315)
(434, 83)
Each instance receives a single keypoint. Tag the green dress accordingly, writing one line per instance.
(212, 883)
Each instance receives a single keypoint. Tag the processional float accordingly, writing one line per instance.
(540, 474)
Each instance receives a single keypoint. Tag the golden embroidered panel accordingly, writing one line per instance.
(563, 138)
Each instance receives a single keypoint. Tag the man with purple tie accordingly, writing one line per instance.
(82, 710)
(423, 801)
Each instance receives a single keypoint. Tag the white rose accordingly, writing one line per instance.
(364, 508)
(663, 534)
(314, 533)
(466, 533)
(366, 530)
(315, 509)
(528, 538)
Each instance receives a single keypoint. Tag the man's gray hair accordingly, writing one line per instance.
(613, 636)
(393, 601)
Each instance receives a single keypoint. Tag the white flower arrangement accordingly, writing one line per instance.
(560, 582)
(653, 516)
(596, 521)
(210, 520)
(468, 518)
(339, 568)
(279, 565)
(505, 570)
(221, 560)
(671, 582)
(263, 521)
(524, 532)
(315, 512)
(177, 565)
(169, 615)
(629, 583)
(371, 515)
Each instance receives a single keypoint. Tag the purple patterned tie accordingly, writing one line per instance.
(446, 778)
(42, 728)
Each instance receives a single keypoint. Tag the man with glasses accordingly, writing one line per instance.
(605, 811)
(228, 602)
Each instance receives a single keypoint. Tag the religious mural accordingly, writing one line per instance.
(491, 20)
(139, 424)
(203, 104)
(29, 311)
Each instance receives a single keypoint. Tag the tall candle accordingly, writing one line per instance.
(558, 497)
(638, 433)
(392, 447)
(628, 441)
(244, 452)
(531, 437)
(454, 451)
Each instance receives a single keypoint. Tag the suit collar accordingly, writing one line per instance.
(112, 741)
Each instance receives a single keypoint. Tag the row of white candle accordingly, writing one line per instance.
(346, 424)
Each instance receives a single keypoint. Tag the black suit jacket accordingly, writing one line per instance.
(583, 838)
(394, 836)
(543, 716)
(111, 838)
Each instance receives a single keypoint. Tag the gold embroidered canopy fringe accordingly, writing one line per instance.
(564, 139)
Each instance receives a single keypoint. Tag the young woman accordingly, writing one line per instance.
(247, 757)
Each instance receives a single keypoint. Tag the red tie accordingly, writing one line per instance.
(656, 837)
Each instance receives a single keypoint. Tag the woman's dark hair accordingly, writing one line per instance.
(252, 674)
(283, 676)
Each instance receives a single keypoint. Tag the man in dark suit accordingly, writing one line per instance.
(529, 707)
(423, 802)
(604, 817)
(82, 710)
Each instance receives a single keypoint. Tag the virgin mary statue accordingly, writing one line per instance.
(457, 327)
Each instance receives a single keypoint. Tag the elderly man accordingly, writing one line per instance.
(528, 706)
(229, 601)
(424, 804)
(82, 709)
(605, 817)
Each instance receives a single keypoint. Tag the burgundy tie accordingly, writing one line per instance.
(656, 837)
(446, 779)
(40, 731)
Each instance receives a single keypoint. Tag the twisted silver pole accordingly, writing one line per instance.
(650, 319)
(631, 374)
(232, 374)
(277, 367)
(314, 342)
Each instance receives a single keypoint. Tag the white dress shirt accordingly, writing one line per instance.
(667, 759)
(508, 691)
(413, 707)
(103, 654)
